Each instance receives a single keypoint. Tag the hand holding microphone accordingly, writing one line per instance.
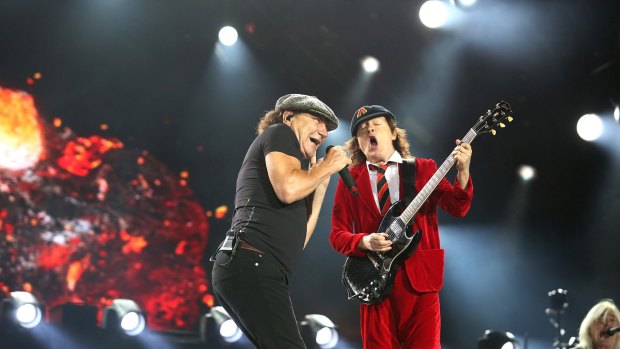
(344, 174)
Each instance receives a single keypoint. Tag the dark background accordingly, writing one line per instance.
(153, 72)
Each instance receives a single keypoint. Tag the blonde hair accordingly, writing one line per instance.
(271, 117)
(400, 144)
(598, 311)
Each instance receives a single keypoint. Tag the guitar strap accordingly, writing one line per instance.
(408, 180)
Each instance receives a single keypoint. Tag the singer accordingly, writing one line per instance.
(599, 328)
(277, 204)
(409, 317)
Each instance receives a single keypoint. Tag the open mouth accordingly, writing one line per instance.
(316, 141)
(373, 142)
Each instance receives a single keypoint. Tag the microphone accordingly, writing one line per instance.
(611, 331)
(346, 176)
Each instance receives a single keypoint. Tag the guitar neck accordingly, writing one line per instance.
(432, 183)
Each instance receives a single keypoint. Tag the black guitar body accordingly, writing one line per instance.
(370, 278)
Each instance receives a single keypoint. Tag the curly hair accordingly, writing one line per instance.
(598, 311)
(272, 117)
(400, 144)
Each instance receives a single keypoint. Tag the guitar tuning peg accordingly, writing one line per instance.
(502, 125)
(493, 132)
(509, 118)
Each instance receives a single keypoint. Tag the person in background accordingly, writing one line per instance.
(593, 332)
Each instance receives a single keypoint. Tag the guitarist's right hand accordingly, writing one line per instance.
(377, 242)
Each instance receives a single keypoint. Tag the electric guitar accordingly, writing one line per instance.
(370, 278)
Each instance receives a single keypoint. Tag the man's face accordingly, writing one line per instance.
(311, 131)
(375, 139)
(600, 325)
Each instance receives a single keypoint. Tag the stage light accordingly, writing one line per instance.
(319, 331)
(124, 315)
(617, 113)
(497, 340)
(228, 36)
(590, 127)
(434, 14)
(21, 308)
(370, 64)
(527, 172)
(217, 321)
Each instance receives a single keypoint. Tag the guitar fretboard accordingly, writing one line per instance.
(432, 183)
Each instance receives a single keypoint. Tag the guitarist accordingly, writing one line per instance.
(410, 315)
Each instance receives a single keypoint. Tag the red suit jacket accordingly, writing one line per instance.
(353, 217)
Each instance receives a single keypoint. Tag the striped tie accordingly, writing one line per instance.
(383, 191)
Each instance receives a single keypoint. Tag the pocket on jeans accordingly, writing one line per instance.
(222, 258)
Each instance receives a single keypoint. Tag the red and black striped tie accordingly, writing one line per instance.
(383, 191)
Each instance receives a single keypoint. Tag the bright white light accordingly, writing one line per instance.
(228, 36)
(527, 172)
(617, 113)
(229, 331)
(133, 323)
(370, 64)
(327, 338)
(508, 346)
(434, 13)
(28, 315)
(590, 127)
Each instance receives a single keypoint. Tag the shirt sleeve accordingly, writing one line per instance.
(342, 236)
(281, 138)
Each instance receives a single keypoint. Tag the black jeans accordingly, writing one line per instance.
(254, 291)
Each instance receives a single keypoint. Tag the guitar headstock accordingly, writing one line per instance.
(495, 117)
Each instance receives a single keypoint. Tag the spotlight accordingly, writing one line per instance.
(497, 340)
(124, 315)
(21, 308)
(319, 331)
(617, 113)
(434, 14)
(370, 64)
(228, 36)
(590, 127)
(218, 321)
(526, 172)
